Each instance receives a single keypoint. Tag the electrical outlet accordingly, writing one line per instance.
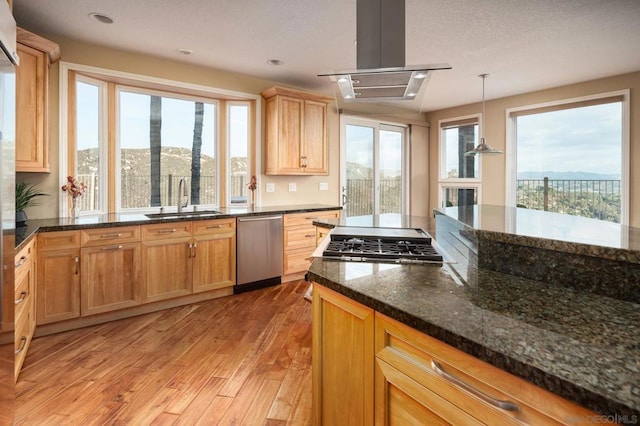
(323, 186)
(271, 187)
(292, 187)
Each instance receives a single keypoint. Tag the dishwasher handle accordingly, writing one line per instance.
(259, 218)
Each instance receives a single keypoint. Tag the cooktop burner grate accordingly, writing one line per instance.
(390, 249)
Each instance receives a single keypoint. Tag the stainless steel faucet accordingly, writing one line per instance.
(183, 195)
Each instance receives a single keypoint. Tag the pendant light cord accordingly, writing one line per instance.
(484, 76)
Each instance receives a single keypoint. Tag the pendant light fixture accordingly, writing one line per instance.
(482, 148)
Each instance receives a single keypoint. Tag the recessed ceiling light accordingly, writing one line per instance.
(101, 17)
(275, 62)
(185, 51)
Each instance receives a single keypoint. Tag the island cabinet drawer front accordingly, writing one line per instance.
(297, 219)
(58, 240)
(212, 227)
(109, 236)
(487, 393)
(163, 231)
(300, 237)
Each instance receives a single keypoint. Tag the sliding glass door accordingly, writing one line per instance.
(373, 168)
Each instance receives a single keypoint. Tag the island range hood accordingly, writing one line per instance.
(381, 72)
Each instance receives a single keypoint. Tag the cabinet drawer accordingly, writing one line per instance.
(297, 260)
(212, 227)
(108, 236)
(22, 340)
(58, 240)
(307, 218)
(163, 231)
(299, 237)
(436, 366)
(23, 298)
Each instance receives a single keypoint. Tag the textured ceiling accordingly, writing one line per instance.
(524, 45)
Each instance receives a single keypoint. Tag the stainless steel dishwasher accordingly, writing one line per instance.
(258, 252)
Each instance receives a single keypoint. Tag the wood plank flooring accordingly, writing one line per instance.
(242, 359)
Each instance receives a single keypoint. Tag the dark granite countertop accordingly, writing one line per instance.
(548, 230)
(24, 233)
(582, 347)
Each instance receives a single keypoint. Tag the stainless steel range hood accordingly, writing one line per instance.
(381, 73)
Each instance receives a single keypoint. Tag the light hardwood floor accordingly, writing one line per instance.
(242, 359)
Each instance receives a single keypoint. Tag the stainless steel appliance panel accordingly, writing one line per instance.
(259, 248)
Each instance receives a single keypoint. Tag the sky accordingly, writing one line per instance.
(584, 139)
(177, 122)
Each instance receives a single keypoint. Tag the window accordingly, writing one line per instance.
(238, 148)
(459, 175)
(568, 157)
(132, 139)
(163, 140)
(373, 168)
(90, 155)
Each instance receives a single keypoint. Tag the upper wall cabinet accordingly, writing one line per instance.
(32, 101)
(296, 132)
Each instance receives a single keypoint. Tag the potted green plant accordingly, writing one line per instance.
(25, 194)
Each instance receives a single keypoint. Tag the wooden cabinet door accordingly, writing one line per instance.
(342, 360)
(167, 269)
(58, 285)
(290, 134)
(32, 150)
(214, 255)
(314, 142)
(110, 278)
(400, 400)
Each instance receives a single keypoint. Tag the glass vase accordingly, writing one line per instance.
(74, 209)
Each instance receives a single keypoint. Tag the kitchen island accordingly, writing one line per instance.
(577, 344)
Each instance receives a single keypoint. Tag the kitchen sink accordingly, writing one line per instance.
(197, 213)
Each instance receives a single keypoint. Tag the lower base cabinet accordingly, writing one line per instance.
(24, 304)
(110, 278)
(58, 277)
(363, 359)
(342, 355)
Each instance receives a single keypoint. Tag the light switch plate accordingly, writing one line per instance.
(292, 187)
(271, 187)
(323, 186)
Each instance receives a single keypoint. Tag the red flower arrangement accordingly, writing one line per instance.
(253, 183)
(74, 188)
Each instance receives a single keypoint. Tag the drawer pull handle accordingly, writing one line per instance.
(111, 235)
(214, 226)
(23, 343)
(311, 218)
(309, 236)
(77, 265)
(195, 246)
(21, 261)
(23, 295)
(505, 405)
(112, 247)
(167, 231)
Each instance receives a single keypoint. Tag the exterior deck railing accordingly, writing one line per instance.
(597, 199)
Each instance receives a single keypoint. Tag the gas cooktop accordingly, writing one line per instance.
(402, 245)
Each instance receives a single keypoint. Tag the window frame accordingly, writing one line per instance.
(377, 125)
(458, 183)
(511, 115)
(228, 106)
(180, 89)
(103, 146)
(151, 92)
